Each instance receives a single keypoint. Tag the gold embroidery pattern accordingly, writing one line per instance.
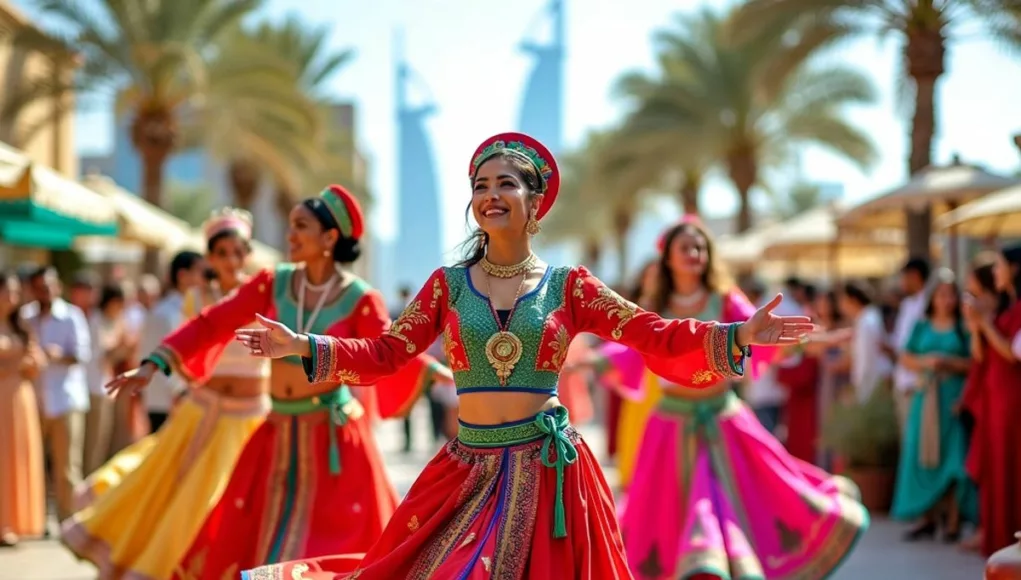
(703, 377)
(413, 524)
(437, 293)
(579, 288)
(411, 317)
(561, 341)
(347, 377)
(613, 305)
(455, 363)
(468, 539)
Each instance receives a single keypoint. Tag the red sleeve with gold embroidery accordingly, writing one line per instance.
(397, 393)
(685, 352)
(366, 360)
(196, 346)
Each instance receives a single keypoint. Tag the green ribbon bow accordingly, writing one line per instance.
(555, 427)
(335, 401)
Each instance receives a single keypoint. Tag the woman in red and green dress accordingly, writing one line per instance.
(310, 480)
(518, 494)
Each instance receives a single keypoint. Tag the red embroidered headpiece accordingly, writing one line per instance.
(527, 148)
(688, 218)
(345, 209)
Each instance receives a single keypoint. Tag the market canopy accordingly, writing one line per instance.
(41, 208)
(141, 221)
(942, 188)
(996, 215)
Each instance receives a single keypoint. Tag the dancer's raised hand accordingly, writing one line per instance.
(766, 328)
(273, 340)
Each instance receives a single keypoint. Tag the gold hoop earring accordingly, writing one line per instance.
(532, 228)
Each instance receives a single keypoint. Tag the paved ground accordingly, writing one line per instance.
(880, 556)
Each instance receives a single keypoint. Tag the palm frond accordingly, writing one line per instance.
(828, 130)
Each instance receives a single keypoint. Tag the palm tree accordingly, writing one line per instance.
(603, 185)
(742, 107)
(926, 26)
(150, 53)
(307, 51)
(257, 124)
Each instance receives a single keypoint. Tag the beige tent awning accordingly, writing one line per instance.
(995, 215)
(141, 221)
(941, 187)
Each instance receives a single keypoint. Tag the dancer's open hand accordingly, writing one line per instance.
(273, 340)
(766, 328)
(132, 381)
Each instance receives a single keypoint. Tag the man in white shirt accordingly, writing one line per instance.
(63, 335)
(186, 272)
(870, 364)
(914, 276)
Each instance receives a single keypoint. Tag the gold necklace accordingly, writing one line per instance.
(498, 271)
(504, 348)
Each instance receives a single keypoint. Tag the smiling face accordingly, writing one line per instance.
(688, 252)
(307, 239)
(504, 195)
(227, 256)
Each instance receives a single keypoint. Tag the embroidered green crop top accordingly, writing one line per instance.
(529, 354)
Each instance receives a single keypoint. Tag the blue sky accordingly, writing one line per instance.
(466, 51)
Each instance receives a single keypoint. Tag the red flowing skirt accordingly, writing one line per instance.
(283, 502)
(480, 513)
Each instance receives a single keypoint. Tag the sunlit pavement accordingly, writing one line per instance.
(880, 556)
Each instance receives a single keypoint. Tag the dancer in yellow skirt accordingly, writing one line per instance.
(142, 510)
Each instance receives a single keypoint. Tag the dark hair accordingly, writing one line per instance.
(85, 279)
(982, 270)
(634, 293)
(810, 292)
(405, 290)
(714, 277)
(110, 293)
(919, 266)
(474, 247)
(951, 281)
(346, 250)
(858, 292)
(1012, 255)
(39, 272)
(831, 297)
(226, 234)
(182, 262)
(14, 317)
(793, 282)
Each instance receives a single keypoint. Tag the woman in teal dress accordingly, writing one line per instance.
(932, 484)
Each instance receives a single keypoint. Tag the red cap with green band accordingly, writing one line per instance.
(528, 148)
(345, 209)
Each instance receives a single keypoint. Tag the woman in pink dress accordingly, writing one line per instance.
(714, 495)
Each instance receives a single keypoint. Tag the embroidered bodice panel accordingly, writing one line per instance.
(537, 320)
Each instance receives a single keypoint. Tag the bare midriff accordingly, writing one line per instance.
(289, 382)
(237, 387)
(491, 408)
(680, 392)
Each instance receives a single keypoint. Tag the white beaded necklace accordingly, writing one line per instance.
(688, 300)
(324, 289)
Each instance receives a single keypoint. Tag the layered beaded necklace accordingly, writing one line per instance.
(504, 348)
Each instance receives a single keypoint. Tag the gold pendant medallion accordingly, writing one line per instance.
(503, 350)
